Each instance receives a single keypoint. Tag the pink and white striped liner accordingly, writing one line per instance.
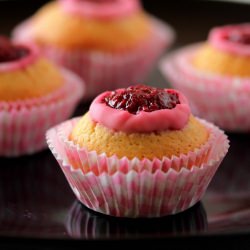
(124, 191)
(106, 71)
(23, 123)
(222, 100)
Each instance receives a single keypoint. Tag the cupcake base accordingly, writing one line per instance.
(23, 124)
(127, 192)
(107, 71)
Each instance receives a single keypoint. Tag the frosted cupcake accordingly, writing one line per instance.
(34, 95)
(215, 76)
(138, 152)
(103, 41)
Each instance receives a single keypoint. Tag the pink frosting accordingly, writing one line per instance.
(218, 38)
(101, 9)
(23, 62)
(143, 122)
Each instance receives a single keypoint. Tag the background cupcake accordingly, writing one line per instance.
(215, 76)
(34, 95)
(109, 43)
(151, 159)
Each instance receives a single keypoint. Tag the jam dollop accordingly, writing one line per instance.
(123, 109)
(233, 39)
(142, 98)
(10, 52)
(238, 37)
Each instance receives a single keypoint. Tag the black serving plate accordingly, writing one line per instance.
(38, 210)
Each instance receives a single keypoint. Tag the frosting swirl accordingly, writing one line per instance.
(171, 113)
(231, 38)
(101, 9)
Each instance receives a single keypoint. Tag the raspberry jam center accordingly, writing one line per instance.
(142, 98)
(10, 52)
(239, 37)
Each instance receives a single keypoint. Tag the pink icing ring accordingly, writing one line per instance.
(103, 9)
(144, 122)
(217, 38)
(23, 62)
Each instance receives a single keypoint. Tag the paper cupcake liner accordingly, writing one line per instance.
(23, 125)
(126, 192)
(85, 224)
(221, 100)
(106, 71)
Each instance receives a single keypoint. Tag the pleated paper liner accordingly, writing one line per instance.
(222, 100)
(137, 188)
(106, 71)
(23, 124)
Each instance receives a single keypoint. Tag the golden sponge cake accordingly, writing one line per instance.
(36, 80)
(216, 61)
(70, 31)
(95, 136)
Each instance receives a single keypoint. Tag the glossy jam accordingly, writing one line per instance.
(10, 52)
(233, 39)
(142, 98)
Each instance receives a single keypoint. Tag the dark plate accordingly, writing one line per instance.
(38, 208)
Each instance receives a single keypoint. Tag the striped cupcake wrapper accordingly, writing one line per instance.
(23, 123)
(130, 189)
(222, 100)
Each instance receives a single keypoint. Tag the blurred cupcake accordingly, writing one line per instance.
(138, 152)
(215, 76)
(85, 224)
(109, 43)
(34, 95)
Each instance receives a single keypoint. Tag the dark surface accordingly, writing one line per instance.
(39, 211)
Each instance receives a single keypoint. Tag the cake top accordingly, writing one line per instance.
(24, 73)
(231, 38)
(14, 56)
(10, 52)
(102, 9)
(141, 108)
(89, 25)
(142, 98)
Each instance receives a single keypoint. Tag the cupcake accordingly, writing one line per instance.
(103, 41)
(138, 152)
(217, 70)
(34, 95)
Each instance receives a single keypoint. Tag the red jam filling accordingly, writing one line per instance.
(239, 37)
(10, 52)
(142, 98)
